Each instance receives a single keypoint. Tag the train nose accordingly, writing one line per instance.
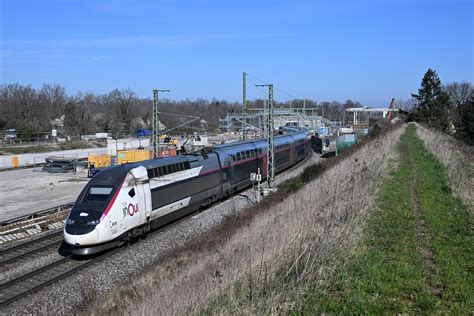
(90, 238)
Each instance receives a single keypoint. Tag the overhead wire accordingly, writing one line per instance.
(274, 87)
(264, 95)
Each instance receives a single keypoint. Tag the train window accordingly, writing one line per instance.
(98, 194)
(131, 192)
(150, 173)
(187, 165)
(238, 156)
(165, 170)
(247, 152)
(259, 151)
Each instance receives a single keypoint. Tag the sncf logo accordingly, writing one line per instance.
(132, 209)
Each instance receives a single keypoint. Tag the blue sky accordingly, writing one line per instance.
(365, 50)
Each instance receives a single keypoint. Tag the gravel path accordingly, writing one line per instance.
(70, 294)
(44, 190)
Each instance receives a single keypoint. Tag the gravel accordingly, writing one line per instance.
(69, 294)
(14, 270)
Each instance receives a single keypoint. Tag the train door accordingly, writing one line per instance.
(292, 154)
(144, 201)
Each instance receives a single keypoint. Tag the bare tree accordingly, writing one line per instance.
(460, 95)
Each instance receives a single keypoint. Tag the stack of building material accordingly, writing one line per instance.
(59, 164)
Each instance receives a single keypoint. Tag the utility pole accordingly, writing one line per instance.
(156, 124)
(269, 124)
(244, 104)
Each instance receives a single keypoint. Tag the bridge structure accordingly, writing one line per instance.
(254, 119)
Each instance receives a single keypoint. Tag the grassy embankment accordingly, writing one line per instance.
(262, 259)
(417, 253)
(458, 159)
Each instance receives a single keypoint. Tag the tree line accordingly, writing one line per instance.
(449, 108)
(120, 112)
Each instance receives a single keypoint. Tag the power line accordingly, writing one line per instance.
(274, 87)
(262, 91)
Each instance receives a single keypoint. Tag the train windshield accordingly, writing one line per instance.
(98, 194)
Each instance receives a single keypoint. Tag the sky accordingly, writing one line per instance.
(367, 50)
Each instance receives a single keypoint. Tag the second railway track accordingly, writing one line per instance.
(29, 248)
(35, 280)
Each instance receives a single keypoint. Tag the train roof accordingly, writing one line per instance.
(115, 174)
(294, 132)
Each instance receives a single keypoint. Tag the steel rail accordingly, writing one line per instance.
(36, 215)
(35, 280)
(28, 248)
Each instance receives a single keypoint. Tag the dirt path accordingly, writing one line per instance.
(416, 255)
(422, 235)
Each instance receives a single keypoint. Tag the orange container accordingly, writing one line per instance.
(99, 160)
(124, 156)
(14, 162)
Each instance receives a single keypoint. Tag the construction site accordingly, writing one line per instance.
(236, 157)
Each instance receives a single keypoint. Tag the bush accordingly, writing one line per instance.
(26, 134)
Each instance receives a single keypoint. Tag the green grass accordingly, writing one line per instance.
(387, 274)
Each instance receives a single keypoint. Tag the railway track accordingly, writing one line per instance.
(35, 280)
(40, 278)
(41, 222)
(29, 248)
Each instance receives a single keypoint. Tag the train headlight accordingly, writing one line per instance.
(69, 221)
(94, 222)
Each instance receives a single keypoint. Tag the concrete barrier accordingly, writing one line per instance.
(24, 160)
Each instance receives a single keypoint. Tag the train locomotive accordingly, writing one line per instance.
(126, 201)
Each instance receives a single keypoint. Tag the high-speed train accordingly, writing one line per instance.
(125, 201)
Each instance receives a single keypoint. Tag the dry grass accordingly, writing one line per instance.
(457, 157)
(262, 263)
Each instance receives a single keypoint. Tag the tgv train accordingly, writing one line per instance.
(125, 201)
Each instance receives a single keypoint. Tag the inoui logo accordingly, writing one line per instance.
(132, 209)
